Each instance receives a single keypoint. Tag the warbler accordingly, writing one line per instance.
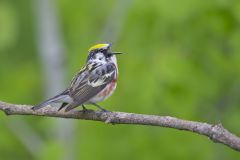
(95, 82)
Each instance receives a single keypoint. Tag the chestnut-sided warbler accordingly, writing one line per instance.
(95, 82)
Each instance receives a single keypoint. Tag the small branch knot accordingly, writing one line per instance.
(7, 111)
(217, 132)
(110, 117)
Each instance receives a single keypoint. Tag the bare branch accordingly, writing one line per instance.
(217, 133)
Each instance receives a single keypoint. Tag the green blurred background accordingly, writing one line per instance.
(182, 59)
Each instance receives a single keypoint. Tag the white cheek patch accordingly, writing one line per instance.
(99, 55)
(99, 58)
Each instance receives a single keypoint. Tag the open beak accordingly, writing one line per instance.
(117, 53)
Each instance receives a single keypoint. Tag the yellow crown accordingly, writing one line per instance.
(99, 46)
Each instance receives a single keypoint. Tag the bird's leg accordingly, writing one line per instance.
(61, 107)
(83, 107)
(101, 108)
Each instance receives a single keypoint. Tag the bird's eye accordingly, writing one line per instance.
(109, 55)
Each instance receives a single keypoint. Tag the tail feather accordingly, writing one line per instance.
(62, 97)
(39, 106)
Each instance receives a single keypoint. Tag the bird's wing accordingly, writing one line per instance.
(89, 82)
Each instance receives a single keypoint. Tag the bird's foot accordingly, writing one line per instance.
(101, 108)
(84, 109)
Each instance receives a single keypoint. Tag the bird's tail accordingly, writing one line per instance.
(62, 97)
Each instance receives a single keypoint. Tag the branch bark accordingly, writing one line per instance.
(216, 133)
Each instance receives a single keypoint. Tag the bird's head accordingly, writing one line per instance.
(101, 53)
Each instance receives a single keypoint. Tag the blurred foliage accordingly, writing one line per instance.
(182, 59)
